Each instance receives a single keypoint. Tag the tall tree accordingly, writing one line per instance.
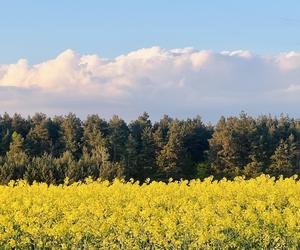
(195, 140)
(130, 160)
(147, 163)
(15, 160)
(20, 125)
(5, 133)
(231, 145)
(118, 134)
(160, 134)
(68, 168)
(95, 132)
(38, 139)
(161, 130)
(173, 159)
(284, 158)
(42, 169)
(142, 144)
(73, 133)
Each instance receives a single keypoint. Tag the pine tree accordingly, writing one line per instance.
(20, 125)
(68, 165)
(118, 134)
(231, 145)
(95, 132)
(73, 133)
(130, 160)
(284, 158)
(173, 158)
(195, 141)
(147, 155)
(15, 160)
(42, 169)
(159, 140)
(112, 170)
(91, 163)
(5, 133)
(38, 139)
(141, 143)
(253, 169)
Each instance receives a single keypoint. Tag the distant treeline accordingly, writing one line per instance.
(45, 149)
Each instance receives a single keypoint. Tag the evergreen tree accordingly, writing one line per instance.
(15, 160)
(159, 140)
(67, 147)
(69, 168)
(5, 133)
(73, 134)
(253, 169)
(111, 170)
(231, 145)
(173, 159)
(161, 130)
(90, 163)
(38, 139)
(118, 134)
(147, 155)
(42, 169)
(20, 125)
(195, 141)
(130, 160)
(95, 132)
(55, 131)
(143, 143)
(284, 158)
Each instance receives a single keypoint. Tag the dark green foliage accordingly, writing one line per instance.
(5, 133)
(202, 170)
(20, 125)
(66, 167)
(73, 134)
(284, 158)
(44, 149)
(174, 159)
(140, 150)
(130, 158)
(112, 170)
(118, 134)
(232, 145)
(41, 137)
(147, 165)
(16, 160)
(42, 169)
(247, 146)
(95, 132)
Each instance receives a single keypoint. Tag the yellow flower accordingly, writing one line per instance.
(249, 214)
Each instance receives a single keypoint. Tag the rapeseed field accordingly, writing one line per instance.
(259, 213)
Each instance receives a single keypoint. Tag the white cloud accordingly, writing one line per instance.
(181, 82)
(293, 88)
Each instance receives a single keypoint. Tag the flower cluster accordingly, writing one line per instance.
(257, 213)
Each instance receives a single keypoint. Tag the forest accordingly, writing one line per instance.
(53, 149)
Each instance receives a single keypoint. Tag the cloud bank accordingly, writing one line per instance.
(180, 82)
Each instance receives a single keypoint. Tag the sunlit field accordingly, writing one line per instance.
(256, 213)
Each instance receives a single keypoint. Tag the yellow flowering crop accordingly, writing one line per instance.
(259, 213)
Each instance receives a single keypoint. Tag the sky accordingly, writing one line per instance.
(183, 58)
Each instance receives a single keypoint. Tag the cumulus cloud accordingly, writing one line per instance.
(181, 82)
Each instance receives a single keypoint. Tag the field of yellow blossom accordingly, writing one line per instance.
(258, 213)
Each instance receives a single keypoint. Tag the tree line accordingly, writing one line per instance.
(44, 149)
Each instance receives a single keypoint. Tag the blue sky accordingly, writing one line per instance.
(39, 30)
(126, 57)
